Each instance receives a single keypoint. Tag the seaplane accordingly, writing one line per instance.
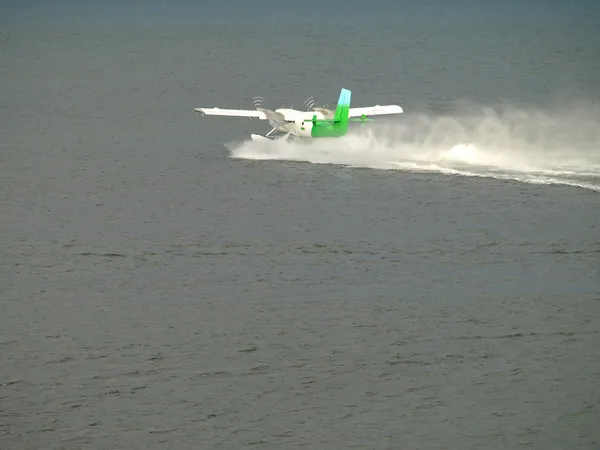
(316, 122)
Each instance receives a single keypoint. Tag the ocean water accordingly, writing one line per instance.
(430, 281)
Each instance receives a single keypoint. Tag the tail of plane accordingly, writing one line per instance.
(338, 126)
(342, 111)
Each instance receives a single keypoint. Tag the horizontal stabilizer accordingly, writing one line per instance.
(314, 120)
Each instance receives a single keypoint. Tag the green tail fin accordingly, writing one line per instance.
(343, 107)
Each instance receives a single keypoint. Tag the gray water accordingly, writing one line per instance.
(431, 281)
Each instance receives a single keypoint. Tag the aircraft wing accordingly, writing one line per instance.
(232, 112)
(375, 110)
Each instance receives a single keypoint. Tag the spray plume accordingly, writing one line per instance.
(531, 145)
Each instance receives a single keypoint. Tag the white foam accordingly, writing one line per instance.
(530, 146)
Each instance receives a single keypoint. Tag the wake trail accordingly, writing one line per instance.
(559, 147)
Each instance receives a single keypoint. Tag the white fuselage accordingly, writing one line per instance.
(298, 123)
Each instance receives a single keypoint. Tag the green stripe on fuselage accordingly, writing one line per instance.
(339, 125)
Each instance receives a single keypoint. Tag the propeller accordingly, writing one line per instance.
(258, 101)
(310, 103)
(273, 118)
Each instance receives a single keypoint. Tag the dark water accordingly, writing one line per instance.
(432, 282)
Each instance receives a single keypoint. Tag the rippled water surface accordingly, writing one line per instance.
(428, 282)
